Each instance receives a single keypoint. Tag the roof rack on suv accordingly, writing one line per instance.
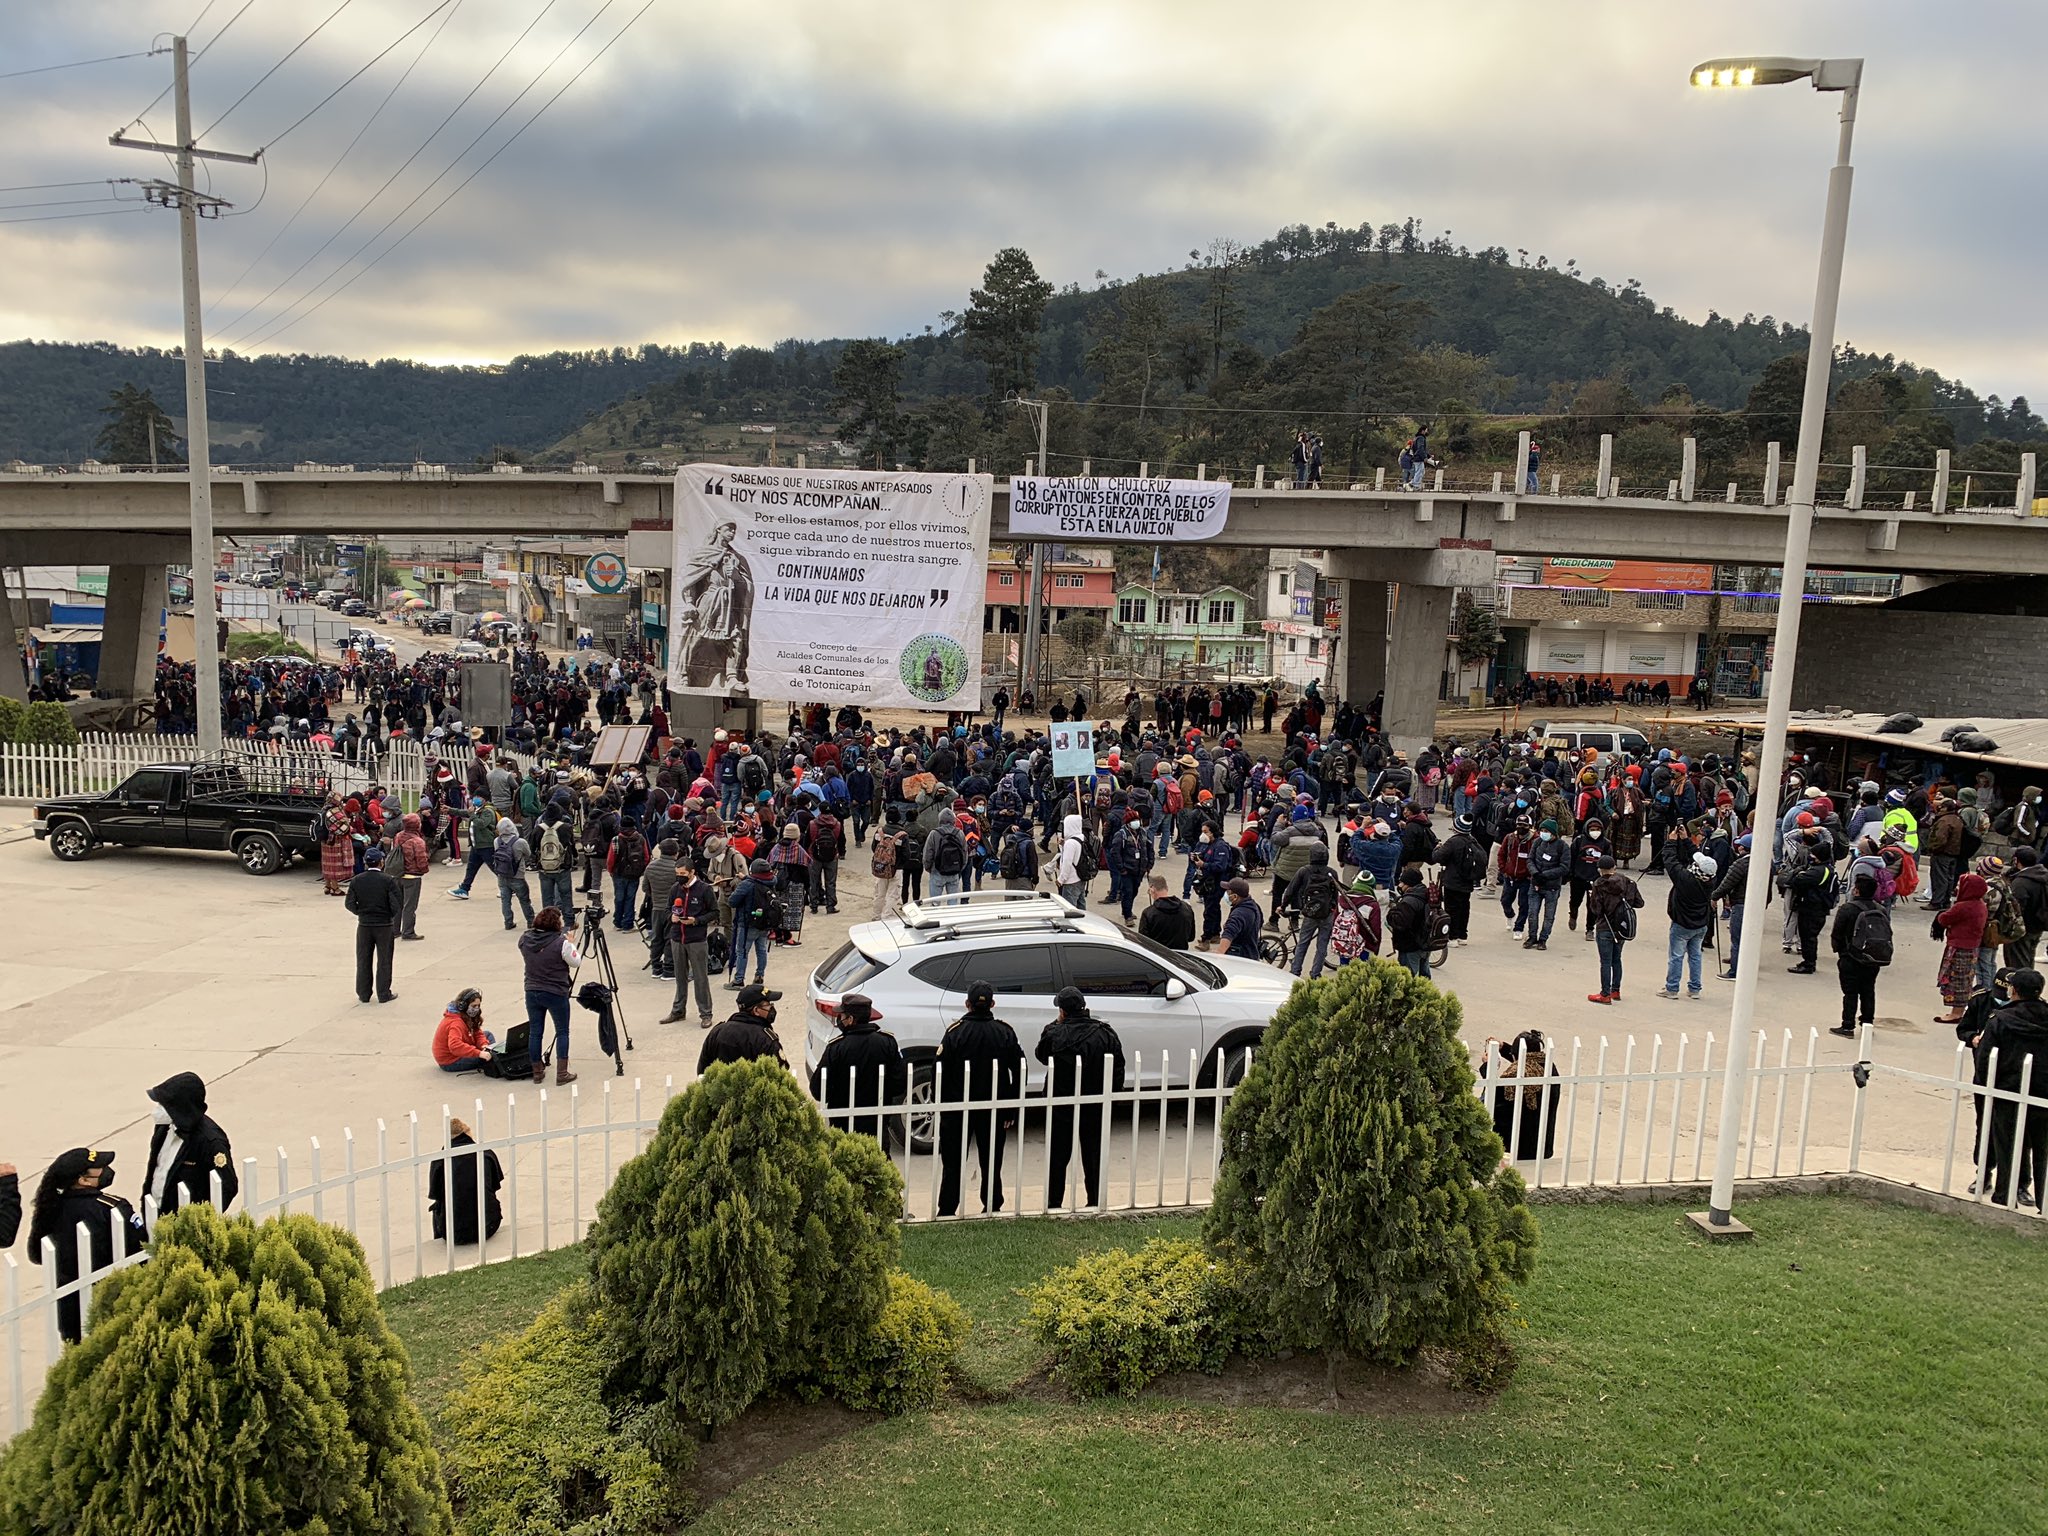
(987, 906)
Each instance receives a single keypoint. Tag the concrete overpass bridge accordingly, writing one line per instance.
(1426, 542)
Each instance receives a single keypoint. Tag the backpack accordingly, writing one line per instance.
(717, 951)
(825, 838)
(753, 775)
(1010, 863)
(1870, 940)
(1621, 923)
(1089, 865)
(765, 914)
(1318, 895)
(505, 860)
(553, 855)
(629, 855)
(883, 861)
(950, 857)
(1436, 922)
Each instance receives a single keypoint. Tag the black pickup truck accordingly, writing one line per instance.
(189, 805)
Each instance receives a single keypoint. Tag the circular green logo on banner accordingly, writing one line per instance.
(933, 667)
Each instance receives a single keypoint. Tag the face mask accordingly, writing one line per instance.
(769, 1016)
(160, 1115)
(1545, 836)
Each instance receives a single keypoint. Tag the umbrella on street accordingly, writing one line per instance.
(493, 617)
(417, 602)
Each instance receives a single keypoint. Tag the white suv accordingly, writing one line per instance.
(1028, 945)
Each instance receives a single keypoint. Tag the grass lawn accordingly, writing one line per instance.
(1859, 1367)
(446, 1319)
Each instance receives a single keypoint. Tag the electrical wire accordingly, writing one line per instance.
(62, 202)
(352, 79)
(50, 186)
(44, 69)
(200, 17)
(509, 142)
(369, 201)
(307, 200)
(202, 53)
(280, 64)
(45, 218)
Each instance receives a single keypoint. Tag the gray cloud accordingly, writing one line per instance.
(753, 171)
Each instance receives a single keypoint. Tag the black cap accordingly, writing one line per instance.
(67, 1167)
(2027, 983)
(857, 1007)
(981, 995)
(1070, 1000)
(754, 996)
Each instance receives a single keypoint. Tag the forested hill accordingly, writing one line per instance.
(279, 410)
(1236, 324)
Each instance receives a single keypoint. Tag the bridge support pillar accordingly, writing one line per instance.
(13, 642)
(1363, 672)
(136, 596)
(1415, 665)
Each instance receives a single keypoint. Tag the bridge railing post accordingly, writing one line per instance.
(1688, 467)
(1521, 463)
(2023, 498)
(1771, 452)
(1259, 478)
(1602, 482)
(1859, 464)
(1938, 502)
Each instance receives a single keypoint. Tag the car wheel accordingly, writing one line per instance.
(72, 841)
(922, 1121)
(1233, 1058)
(260, 854)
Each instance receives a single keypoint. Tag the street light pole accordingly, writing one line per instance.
(1843, 75)
(1035, 610)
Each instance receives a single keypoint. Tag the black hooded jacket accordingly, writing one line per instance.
(979, 1058)
(862, 1065)
(203, 1150)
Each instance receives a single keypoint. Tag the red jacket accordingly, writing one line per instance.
(1514, 856)
(456, 1039)
(1963, 924)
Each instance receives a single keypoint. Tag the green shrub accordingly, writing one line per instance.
(1361, 1187)
(1115, 1320)
(749, 1247)
(13, 713)
(906, 1361)
(533, 1448)
(47, 724)
(242, 1382)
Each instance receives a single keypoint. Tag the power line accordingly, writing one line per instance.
(472, 176)
(45, 218)
(200, 17)
(352, 79)
(202, 53)
(53, 186)
(369, 201)
(280, 64)
(44, 69)
(62, 202)
(306, 201)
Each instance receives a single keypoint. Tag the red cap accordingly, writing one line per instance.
(1803, 820)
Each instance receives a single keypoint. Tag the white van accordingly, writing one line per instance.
(1574, 736)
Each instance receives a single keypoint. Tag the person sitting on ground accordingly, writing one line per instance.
(463, 1175)
(461, 1043)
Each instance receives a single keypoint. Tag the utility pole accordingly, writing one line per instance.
(1036, 609)
(193, 206)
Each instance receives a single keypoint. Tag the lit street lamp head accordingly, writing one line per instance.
(1826, 74)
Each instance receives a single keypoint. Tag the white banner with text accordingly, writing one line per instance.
(843, 585)
(1126, 511)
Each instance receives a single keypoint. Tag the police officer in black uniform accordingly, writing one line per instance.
(749, 1033)
(187, 1150)
(72, 1197)
(863, 1065)
(979, 1059)
(1075, 1046)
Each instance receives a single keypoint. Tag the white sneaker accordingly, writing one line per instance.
(1463, 942)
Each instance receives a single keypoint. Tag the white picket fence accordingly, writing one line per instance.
(101, 760)
(1605, 1115)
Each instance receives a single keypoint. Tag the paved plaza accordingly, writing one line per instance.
(139, 963)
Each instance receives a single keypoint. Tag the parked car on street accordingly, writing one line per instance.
(440, 622)
(355, 608)
(1180, 1011)
(216, 803)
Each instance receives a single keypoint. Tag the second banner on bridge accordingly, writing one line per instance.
(850, 586)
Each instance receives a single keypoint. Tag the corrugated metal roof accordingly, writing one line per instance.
(2022, 743)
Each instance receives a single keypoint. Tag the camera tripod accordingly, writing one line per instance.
(591, 942)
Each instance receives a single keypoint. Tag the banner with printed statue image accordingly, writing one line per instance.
(846, 586)
(1132, 511)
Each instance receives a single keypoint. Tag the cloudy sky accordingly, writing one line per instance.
(756, 169)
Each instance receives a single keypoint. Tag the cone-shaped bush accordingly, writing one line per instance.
(745, 1246)
(1361, 1190)
(243, 1382)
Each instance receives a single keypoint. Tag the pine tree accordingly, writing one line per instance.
(748, 1245)
(1362, 1184)
(240, 1383)
(1002, 321)
(127, 437)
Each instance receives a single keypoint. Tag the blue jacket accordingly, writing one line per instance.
(1381, 856)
